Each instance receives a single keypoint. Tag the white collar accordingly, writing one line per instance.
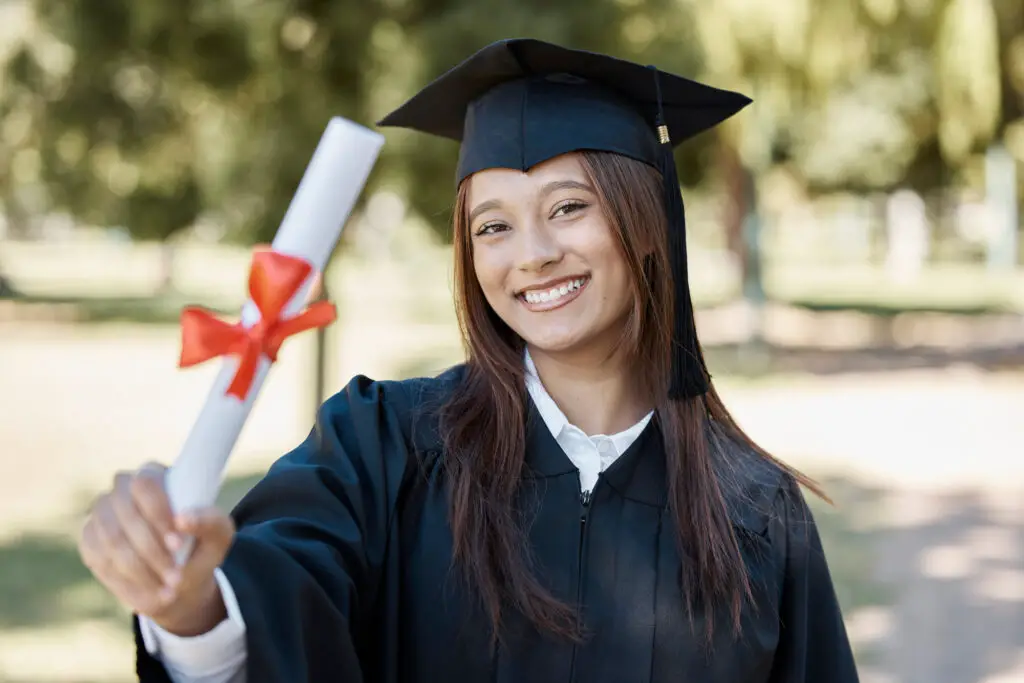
(557, 422)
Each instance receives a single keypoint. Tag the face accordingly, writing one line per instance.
(547, 259)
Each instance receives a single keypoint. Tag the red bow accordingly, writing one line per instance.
(274, 278)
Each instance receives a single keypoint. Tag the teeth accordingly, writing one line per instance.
(554, 293)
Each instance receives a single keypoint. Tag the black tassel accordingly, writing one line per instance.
(689, 373)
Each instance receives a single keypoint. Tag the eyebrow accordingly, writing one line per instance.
(483, 207)
(553, 186)
(564, 185)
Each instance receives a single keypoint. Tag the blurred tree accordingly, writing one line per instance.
(1010, 22)
(968, 92)
(865, 94)
(158, 116)
(860, 95)
(114, 95)
(840, 86)
(154, 116)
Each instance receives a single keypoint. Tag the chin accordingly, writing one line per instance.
(552, 346)
(557, 340)
(586, 337)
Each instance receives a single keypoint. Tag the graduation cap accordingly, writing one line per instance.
(519, 102)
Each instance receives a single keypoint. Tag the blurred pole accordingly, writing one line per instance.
(909, 236)
(1001, 197)
(320, 293)
(168, 252)
(755, 162)
(743, 229)
(753, 282)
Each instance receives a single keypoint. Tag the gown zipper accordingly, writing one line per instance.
(585, 498)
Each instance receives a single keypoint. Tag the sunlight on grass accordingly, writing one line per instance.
(943, 287)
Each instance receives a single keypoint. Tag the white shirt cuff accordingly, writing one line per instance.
(222, 650)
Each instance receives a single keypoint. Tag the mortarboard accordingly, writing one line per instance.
(519, 102)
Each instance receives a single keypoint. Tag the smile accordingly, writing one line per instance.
(547, 299)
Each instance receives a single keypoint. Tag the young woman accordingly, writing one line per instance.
(573, 503)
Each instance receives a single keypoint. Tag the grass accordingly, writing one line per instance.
(962, 289)
(161, 309)
(58, 616)
(43, 582)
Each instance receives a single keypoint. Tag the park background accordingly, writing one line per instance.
(856, 260)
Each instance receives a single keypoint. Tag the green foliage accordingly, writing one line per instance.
(868, 94)
(155, 116)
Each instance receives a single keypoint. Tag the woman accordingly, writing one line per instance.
(573, 503)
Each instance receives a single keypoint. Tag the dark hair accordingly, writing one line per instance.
(483, 423)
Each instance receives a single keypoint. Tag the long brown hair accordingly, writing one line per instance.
(483, 423)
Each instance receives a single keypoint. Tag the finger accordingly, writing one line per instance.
(90, 548)
(156, 505)
(95, 556)
(150, 496)
(124, 565)
(93, 550)
(141, 534)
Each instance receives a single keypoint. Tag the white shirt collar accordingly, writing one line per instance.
(590, 453)
(549, 411)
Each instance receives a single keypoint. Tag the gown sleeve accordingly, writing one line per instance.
(312, 537)
(813, 643)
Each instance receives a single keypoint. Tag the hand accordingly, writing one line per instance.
(128, 543)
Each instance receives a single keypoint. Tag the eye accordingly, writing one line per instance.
(490, 228)
(568, 207)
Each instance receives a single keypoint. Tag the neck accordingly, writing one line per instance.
(600, 395)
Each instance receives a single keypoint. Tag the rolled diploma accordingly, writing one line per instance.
(310, 229)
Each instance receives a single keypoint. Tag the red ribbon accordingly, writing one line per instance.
(274, 279)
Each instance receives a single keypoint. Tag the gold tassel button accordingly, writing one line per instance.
(663, 134)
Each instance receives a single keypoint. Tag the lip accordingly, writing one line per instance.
(559, 303)
(550, 284)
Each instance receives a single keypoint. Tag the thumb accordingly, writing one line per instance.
(153, 469)
(212, 531)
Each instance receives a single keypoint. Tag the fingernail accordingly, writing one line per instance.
(172, 577)
(166, 594)
(172, 541)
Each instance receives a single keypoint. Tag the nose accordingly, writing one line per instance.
(538, 248)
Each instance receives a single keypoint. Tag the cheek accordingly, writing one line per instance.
(617, 289)
(620, 294)
(490, 273)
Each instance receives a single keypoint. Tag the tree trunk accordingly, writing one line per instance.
(165, 285)
(735, 205)
(742, 222)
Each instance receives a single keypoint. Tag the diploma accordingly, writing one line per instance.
(308, 234)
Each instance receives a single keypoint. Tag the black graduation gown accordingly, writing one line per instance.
(342, 565)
